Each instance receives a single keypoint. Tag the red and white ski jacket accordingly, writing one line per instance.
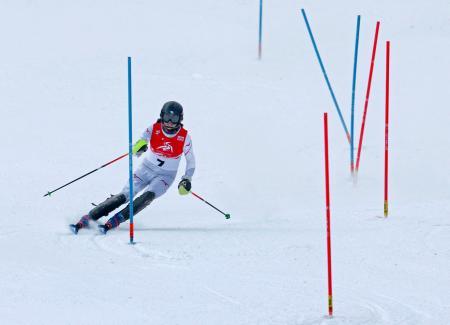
(165, 150)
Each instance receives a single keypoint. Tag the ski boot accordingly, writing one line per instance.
(83, 223)
(104, 228)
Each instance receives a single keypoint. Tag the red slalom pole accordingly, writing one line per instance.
(366, 104)
(386, 131)
(327, 192)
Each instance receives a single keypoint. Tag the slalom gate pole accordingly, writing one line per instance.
(386, 131)
(92, 171)
(327, 196)
(366, 103)
(130, 154)
(352, 120)
(325, 75)
(260, 29)
(227, 215)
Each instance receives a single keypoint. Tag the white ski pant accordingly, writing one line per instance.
(146, 179)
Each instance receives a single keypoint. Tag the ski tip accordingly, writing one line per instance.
(74, 229)
(227, 216)
(102, 229)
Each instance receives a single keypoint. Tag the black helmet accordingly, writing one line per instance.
(171, 112)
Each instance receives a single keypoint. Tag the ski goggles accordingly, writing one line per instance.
(171, 117)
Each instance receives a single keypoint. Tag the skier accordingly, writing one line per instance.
(167, 140)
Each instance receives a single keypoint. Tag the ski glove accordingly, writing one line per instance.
(184, 186)
(140, 147)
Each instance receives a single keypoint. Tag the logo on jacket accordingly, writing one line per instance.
(166, 147)
(180, 138)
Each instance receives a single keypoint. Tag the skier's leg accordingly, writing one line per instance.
(138, 205)
(140, 180)
(157, 187)
(103, 209)
(161, 184)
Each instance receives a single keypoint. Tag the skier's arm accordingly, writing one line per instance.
(147, 134)
(184, 186)
(190, 159)
(141, 145)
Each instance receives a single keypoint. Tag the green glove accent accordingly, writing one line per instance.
(182, 190)
(139, 145)
(184, 186)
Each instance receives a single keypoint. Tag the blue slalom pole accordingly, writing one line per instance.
(352, 123)
(130, 152)
(325, 74)
(260, 29)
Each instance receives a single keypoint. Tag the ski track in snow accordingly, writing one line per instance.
(437, 240)
(365, 308)
(370, 309)
(117, 245)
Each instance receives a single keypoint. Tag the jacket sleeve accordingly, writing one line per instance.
(190, 158)
(147, 134)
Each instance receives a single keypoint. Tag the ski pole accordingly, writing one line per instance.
(92, 171)
(227, 215)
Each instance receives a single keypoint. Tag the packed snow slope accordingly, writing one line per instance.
(258, 138)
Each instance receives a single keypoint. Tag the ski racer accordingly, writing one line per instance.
(168, 140)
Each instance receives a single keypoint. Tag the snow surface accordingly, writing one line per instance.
(258, 137)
